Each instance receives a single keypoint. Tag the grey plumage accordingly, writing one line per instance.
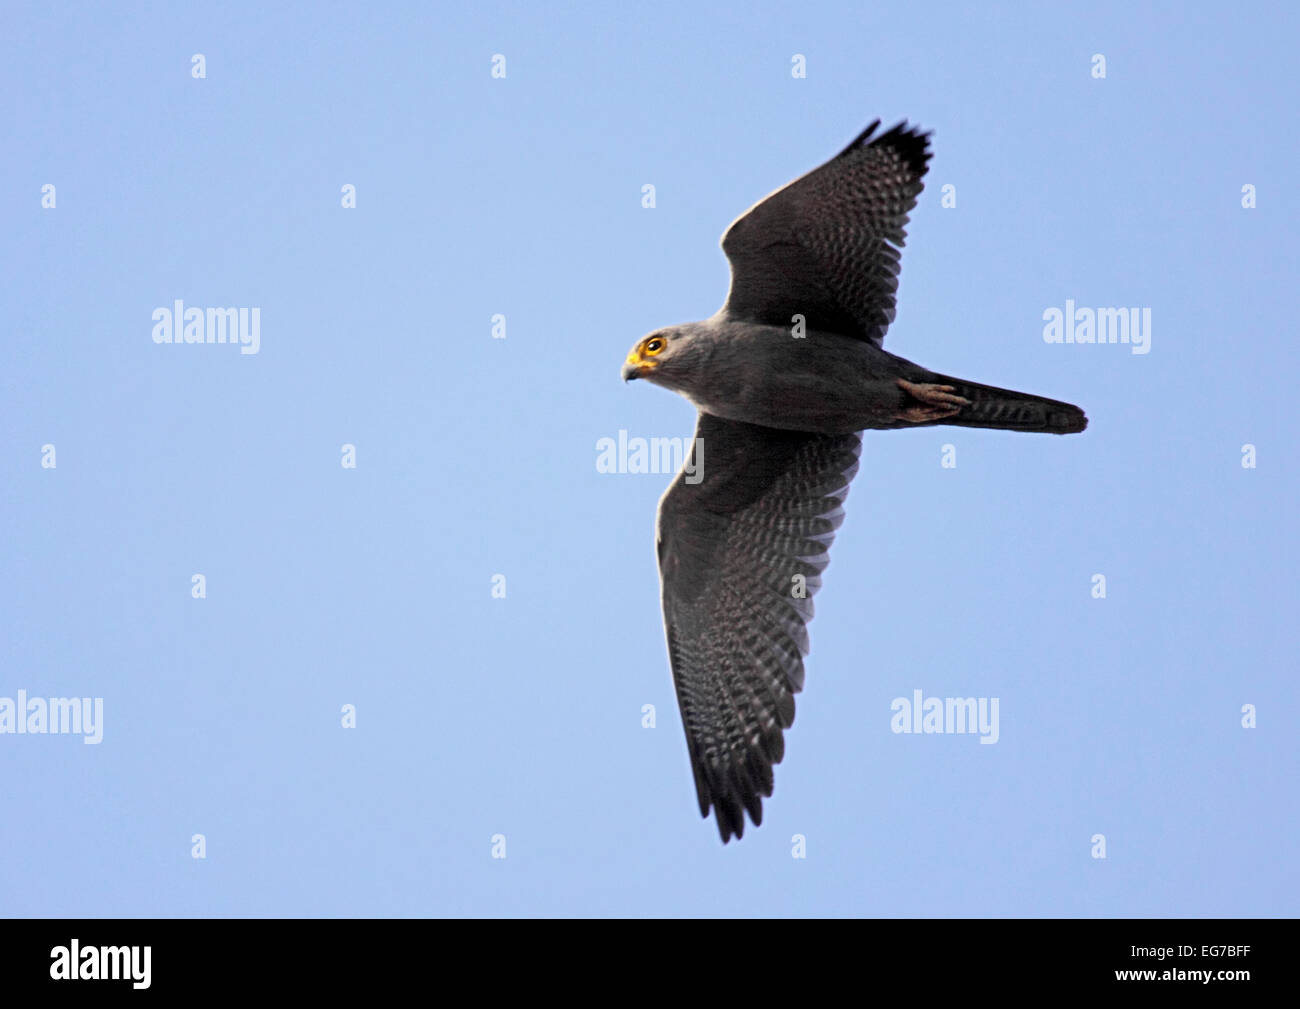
(828, 243)
(741, 551)
(730, 550)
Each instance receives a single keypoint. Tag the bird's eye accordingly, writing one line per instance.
(653, 346)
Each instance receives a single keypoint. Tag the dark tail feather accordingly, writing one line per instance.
(1011, 411)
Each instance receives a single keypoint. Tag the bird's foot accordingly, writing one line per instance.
(933, 402)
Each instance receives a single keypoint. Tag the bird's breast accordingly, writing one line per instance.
(819, 382)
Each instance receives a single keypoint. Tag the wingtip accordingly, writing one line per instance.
(728, 815)
(729, 811)
(861, 138)
(911, 142)
(727, 830)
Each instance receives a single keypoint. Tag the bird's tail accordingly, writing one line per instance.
(1011, 411)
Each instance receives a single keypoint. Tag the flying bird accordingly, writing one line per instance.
(786, 376)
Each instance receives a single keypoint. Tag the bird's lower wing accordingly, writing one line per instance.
(743, 537)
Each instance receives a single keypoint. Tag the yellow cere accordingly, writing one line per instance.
(639, 358)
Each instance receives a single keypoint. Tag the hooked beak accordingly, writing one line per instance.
(632, 367)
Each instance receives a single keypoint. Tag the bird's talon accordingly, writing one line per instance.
(935, 402)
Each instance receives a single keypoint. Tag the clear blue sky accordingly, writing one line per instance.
(522, 716)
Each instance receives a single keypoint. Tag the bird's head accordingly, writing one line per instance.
(666, 357)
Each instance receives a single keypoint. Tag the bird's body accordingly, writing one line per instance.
(788, 389)
(818, 382)
(785, 377)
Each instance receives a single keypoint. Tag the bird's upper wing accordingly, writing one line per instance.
(827, 245)
(730, 548)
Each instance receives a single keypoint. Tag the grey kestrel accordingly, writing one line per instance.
(785, 377)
